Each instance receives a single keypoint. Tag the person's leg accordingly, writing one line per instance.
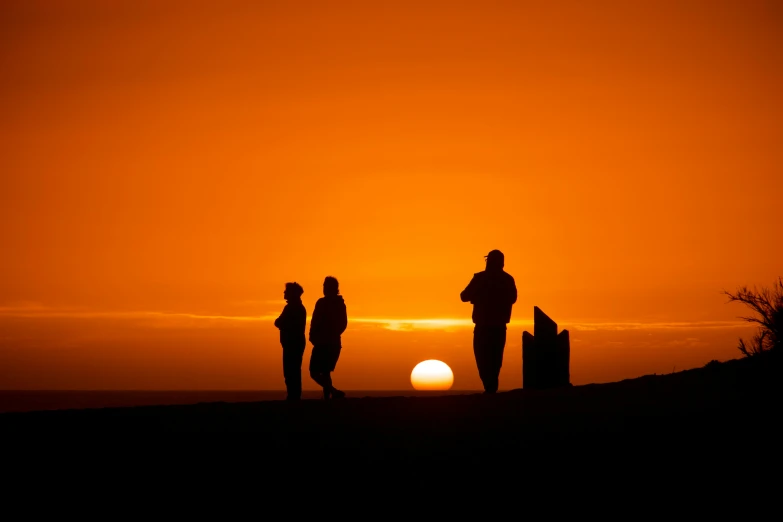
(334, 354)
(292, 371)
(495, 351)
(317, 370)
(323, 380)
(298, 371)
(287, 364)
(322, 363)
(480, 353)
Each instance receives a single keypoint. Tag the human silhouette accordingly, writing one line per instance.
(492, 293)
(292, 336)
(329, 321)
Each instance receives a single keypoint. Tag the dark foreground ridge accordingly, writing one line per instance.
(702, 427)
(714, 399)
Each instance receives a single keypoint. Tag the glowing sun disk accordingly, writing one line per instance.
(432, 375)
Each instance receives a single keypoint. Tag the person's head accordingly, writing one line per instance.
(331, 286)
(293, 291)
(495, 260)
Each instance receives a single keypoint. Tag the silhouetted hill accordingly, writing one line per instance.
(699, 413)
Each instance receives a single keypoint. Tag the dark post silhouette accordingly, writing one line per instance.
(330, 319)
(291, 324)
(492, 293)
(545, 354)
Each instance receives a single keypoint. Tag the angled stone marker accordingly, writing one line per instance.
(529, 361)
(546, 355)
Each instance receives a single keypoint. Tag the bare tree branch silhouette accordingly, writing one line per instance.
(767, 307)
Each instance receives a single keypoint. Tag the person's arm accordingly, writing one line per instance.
(513, 288)
(315, 322)
(280, 321)
(301, 319)
(343, 324)
(470, 291)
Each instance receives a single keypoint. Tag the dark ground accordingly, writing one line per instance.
(689, 426)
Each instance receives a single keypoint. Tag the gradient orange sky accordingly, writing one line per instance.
(165, 167)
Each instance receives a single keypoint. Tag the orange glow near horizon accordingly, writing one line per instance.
(166, 167)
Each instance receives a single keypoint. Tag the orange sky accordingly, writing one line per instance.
(164, 163)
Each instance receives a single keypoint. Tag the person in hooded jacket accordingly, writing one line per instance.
(291, 324)
(492, 293)
(330, 319)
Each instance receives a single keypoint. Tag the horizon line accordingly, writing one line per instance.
(37, 311)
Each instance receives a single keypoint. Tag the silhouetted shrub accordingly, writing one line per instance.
(767, 307)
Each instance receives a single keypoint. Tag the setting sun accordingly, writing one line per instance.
(432, 375)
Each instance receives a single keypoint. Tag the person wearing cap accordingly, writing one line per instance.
(492, 294)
